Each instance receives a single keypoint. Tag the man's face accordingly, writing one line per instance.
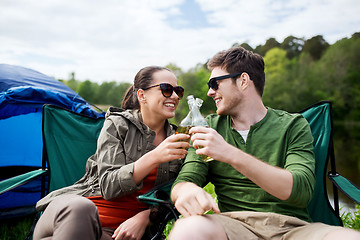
(227, 96)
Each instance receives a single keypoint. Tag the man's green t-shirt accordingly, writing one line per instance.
(280, 139)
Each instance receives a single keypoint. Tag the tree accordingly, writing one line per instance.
(87, 91)
(102, 95)
(340, 71)
(173, 67)
(277, 92)
(270, 43)
(356, 35)
(244, 45)
(316, 46)
(116, 94)
(293, 46)
(247, 46)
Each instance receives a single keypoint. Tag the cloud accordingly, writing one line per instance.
(111, 40)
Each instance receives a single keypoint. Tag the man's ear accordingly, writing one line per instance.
(244, 80)
(141, 96)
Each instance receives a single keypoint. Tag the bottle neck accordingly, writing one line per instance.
(197, 118)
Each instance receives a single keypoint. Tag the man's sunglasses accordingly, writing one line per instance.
(213, 82)
(167, 90)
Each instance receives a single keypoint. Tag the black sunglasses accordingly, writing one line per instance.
(212, 83)
(167, 90)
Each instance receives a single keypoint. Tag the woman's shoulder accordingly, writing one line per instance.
(125, 118)
(120, 113)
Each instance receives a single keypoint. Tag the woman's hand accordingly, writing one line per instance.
(173, 147)
(133, 228)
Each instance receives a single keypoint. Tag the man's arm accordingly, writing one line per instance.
(274, 180)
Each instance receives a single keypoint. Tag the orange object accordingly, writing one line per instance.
(113, 213)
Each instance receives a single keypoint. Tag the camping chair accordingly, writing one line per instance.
(69, 140)
(319, 117)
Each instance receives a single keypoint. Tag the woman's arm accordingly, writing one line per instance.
(169, 149)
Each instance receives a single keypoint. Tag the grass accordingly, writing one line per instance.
(15, 229)
(351, 219)
(18, 228)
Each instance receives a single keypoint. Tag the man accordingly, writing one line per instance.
(263, 170)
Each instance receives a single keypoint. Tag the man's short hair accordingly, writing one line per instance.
(238, 59)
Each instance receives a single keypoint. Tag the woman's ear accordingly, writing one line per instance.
(141, 96)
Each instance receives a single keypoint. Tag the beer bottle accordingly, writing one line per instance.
(194, 118)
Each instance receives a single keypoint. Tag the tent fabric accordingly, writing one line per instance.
(21, 141)
(24, 90)
(16, 76)
(23, 93)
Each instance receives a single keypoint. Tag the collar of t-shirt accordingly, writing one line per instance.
(244, 134)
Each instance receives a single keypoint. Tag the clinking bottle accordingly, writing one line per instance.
(194, 118)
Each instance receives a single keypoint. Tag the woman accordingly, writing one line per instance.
(136, 151)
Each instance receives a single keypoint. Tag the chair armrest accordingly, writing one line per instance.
(346, 186)
(13, 182)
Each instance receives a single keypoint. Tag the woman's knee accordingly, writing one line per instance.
(79, 205)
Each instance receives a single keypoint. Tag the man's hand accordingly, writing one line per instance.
(191, 199)
(209, 142)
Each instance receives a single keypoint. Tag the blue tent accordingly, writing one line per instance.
(23, 92)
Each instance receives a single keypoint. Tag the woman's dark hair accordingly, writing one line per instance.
(238, 59)
(142, 80)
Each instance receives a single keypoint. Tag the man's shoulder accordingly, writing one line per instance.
(287, 119)
(284, 114)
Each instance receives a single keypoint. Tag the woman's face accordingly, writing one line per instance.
(155, 102)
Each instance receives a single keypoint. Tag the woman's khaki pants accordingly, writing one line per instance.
(70, 217)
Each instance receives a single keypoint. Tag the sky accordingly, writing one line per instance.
(111, 40)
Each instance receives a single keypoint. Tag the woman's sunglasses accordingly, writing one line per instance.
(167, 90)
(213, 82)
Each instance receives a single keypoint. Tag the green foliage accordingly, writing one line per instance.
(351, 219)
(299, 73)
(86, 89)
(16, 228)
(277, 89)
(315, 46)
(293, 46)
(111, 93)
(173, 67)
(270, 43)
(244, 45)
